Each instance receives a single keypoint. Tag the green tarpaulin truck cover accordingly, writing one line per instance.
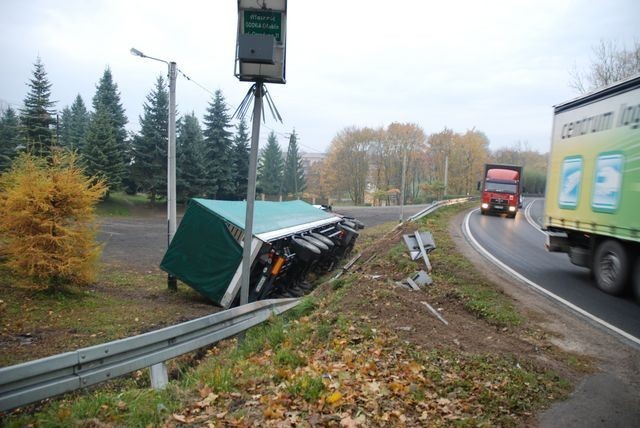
(205, 253)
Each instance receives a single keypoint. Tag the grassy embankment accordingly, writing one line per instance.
(321, 364)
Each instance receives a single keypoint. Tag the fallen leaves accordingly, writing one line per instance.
(360, 377)
(334, 398)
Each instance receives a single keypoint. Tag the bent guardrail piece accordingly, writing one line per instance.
(47, 377)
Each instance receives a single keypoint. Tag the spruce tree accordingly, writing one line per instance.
(293, 181)
(107, 94)
(190, 175)
(9, 138)
(64, 128)
(217, 140)
(78, 125)
(240, 161)
(149, 148)
(102, 155)
(270, 167)
(38, 116)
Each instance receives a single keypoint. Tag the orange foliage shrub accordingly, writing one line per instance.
(47, 219)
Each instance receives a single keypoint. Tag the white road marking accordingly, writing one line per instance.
(510, 271)
(530, 220)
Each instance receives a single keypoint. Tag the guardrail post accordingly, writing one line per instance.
(159, 376)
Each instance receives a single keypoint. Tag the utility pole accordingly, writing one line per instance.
(159, 375)
(251, 194)
(446, 174)
(172, 284)
(404, 172)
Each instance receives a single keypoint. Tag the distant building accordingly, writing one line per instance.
(309, 159)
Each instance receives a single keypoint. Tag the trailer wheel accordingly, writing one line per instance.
(636, 279)
(611, 267)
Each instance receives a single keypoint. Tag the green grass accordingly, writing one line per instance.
(456, 276)
(401, 260)
(119, 204)
(132, 407)
(310, 388)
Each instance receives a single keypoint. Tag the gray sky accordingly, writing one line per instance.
(497, 66)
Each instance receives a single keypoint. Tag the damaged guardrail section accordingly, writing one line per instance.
(36, 380)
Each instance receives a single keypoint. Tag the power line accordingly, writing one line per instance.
(282, 134)
(196, 83)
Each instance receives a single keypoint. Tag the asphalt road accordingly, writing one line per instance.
(520, 245)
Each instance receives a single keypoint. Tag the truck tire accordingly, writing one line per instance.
(635, 281)
(611, 267)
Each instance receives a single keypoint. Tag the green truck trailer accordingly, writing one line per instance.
(592, 201)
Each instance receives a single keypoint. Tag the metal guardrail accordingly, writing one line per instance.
(44, 378)
(438, 204)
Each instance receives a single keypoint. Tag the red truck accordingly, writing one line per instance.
(501, 189)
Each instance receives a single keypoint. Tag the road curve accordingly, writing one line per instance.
(517, 246)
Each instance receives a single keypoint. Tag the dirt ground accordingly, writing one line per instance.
(404, 311)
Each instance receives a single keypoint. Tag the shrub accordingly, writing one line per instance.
(47, 219)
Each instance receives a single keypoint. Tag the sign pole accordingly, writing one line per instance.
(171, 166)
(251, 193)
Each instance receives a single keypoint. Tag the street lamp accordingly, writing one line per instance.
(171, 156)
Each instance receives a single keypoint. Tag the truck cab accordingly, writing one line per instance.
(501, 190)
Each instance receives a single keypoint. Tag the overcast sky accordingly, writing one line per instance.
(498, 66)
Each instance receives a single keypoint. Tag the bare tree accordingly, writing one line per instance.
(609, 64)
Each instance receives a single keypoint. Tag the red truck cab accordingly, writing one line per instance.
(501, 189)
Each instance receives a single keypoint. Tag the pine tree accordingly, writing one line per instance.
(38, 116)
(149, 168)
(190, 175)
(293, 181)
(102, 154)
(9, 138)
(240, 161)
(217, 140)
(270, 167)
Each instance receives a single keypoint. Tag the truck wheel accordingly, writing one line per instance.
(635, 281)
(611, 267)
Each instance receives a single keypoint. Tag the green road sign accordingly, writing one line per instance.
(263, 22)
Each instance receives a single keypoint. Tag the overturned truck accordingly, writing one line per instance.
(290, 239)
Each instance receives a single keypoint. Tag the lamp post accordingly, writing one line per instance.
(171, 156)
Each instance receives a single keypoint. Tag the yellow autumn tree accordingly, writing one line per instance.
(47, 220)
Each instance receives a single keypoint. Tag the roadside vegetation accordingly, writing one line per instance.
(359, 351)
(120, 204)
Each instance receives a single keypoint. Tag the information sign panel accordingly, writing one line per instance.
(263, 22)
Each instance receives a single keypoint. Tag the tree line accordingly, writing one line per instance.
(212, 158)
(366, 164)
